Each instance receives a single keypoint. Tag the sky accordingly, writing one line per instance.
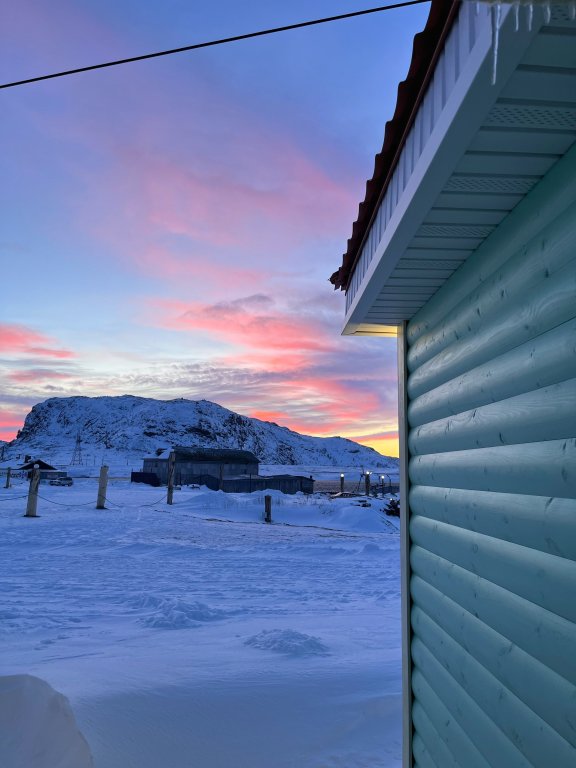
(168, 227)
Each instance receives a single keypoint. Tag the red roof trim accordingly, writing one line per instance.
(425, 51)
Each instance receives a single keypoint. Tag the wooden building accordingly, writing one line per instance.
(47, 471)
(465, 248)
(284, 483)
(231, 471)
(194, 462)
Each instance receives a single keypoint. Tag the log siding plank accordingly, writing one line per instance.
(492, 504)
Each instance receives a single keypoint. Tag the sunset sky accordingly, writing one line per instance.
(169, 226)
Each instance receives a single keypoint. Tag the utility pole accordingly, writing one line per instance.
(33, 493)
(102, 485)
(171, 465)
(77, 455)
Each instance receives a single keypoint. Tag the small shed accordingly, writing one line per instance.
(465, 249)
(193, 462)
(47, 471)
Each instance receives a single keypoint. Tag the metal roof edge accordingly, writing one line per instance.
(427, 46)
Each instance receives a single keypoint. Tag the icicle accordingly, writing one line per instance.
(495, 7)
(496, 14)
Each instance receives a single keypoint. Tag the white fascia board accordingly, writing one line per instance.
(463, 114)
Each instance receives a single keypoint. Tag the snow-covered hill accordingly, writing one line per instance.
(121, 430)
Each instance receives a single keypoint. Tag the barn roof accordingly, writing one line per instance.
(223, 455)
(216, 454)
(41, 464)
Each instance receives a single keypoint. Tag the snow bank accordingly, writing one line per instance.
(174, 613)
(287, 641)
(37, 727)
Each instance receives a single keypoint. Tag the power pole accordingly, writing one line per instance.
(32, 502)
(171, 467)
(77, 455)
(102, 484)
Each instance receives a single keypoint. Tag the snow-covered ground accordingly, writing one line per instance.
(197, 636)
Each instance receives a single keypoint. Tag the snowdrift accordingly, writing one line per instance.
(37, 727)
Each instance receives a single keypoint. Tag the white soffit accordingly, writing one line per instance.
(490, 145)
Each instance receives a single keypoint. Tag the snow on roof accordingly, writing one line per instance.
(224, 455)
(425, 50)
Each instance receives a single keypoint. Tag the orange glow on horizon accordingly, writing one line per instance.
(389, 446)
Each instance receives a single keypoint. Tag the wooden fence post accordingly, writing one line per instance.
(267, 509)
(102, 485)
(33, 493)
(8, 473)
(171, 466)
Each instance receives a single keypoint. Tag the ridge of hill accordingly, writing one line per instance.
(123, 429)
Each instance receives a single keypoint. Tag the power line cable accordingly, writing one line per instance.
(210, 43)
(61, 504)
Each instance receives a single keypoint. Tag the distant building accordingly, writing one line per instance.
(47, 471)
(29, 465)
(232, 471)
(283, 483)
(194, 462)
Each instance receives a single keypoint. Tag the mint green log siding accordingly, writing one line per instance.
(491, 389)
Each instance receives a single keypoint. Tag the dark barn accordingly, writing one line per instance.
(194, 462)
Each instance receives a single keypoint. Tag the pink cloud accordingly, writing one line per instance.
(242, 203)
(10, 423)
(199, 269)
(313, 403)
(302, 374)
(276, 338)
(221, 210)
(22, 340)
(37, 376)
(8, 432)
(224, 226)
(334, 405)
